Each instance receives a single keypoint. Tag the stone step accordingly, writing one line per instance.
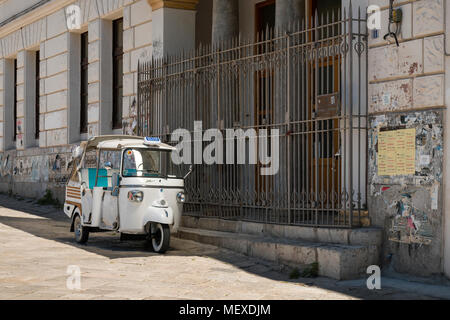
(335, 261)
(355, 236)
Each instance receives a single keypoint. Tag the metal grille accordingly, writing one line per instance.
(310, 83)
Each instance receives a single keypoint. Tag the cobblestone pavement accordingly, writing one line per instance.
(36, 248)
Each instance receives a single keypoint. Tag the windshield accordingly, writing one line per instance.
(149, 164)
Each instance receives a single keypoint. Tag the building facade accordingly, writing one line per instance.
(69, 70)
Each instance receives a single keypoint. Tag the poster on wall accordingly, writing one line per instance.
(410, 224)
(397, 152)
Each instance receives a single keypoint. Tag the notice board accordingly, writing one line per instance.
(397, 152)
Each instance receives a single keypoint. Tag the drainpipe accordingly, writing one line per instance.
(445, 261)
(445, 29)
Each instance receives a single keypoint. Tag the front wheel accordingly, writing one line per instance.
(160, 237)
(81, 233)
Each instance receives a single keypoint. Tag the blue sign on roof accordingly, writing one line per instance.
(152, 140)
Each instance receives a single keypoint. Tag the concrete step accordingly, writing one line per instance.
(355, 236)
(337, 261)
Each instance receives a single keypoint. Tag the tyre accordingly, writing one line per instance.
(81, 233)
(160, 237)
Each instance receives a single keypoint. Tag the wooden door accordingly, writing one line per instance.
(324, 139)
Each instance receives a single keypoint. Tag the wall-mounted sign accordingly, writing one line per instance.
(327, 105)
(397, 152)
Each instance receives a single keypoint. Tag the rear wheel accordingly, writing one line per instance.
(81, 233)
(160, 237)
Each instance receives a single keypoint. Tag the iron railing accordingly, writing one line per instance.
(310, 83)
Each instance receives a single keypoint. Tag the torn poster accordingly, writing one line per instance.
(434, 197)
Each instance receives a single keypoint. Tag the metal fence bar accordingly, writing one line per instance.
(308, 84)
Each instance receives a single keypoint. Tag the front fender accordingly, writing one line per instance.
(158, 215)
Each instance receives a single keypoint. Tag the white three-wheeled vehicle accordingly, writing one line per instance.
(128, 185)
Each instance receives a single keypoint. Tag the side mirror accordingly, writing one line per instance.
(108, 165)
(191, 169)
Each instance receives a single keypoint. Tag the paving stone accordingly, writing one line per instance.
(36, 250)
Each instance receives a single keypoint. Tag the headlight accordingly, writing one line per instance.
(135, 196)
(180, 197)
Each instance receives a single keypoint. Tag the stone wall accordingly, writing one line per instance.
(406, 90)
(29, 166)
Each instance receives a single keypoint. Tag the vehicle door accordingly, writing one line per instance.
(106, 189)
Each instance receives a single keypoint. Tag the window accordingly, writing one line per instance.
(117, 73)
(265, 16)
(15, 100)
(37, 102)
(141, 163)
(149, 163)
(84, 83)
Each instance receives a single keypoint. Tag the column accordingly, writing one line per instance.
(8, 104)
(288, 11)
(2, 104)
(20, 101)
(173, 26)
(225, 20)
(100, 78)
(29, 102)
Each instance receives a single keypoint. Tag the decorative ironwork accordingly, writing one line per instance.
(273, 83)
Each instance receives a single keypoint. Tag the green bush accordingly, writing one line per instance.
(295, 274)
(312, 271)
(48, 199)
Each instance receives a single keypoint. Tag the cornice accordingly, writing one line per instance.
(175, 4)
(33, 16)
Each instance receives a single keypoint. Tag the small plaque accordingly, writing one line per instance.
(327, 105)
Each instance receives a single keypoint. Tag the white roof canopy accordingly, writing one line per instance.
(122, 142)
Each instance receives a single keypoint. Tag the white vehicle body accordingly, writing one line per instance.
(117, 198)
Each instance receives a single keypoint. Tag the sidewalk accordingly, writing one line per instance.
(36, 249)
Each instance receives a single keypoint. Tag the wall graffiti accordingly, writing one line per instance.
(36, 170)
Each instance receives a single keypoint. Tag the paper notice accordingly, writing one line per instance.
(425, 160)
(397, 152)
(434, 197)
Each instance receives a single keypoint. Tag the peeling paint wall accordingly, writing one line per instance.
(409, 207)
(406, 91)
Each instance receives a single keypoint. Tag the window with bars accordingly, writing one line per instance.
(37, 96)
(84, 83)
(117, 73)
(15, 100)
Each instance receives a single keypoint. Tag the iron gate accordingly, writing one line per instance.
(310, 83)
